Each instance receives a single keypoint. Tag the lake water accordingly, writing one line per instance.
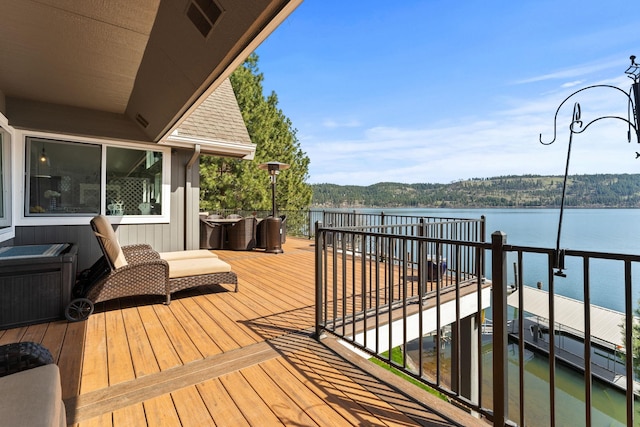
(600, 230)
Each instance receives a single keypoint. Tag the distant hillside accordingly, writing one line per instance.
(584, 191)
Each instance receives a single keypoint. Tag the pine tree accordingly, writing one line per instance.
(240, 184)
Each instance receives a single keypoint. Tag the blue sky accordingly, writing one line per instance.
(433, 91)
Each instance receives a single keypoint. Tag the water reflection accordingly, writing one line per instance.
(608, 403)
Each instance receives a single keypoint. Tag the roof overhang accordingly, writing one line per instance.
(213, 147)
(122, 69)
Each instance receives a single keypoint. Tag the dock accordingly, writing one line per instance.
(606, 336)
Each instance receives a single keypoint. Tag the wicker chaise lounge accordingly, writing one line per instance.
(139, 270)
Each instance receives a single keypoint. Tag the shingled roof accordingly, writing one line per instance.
(217, 125)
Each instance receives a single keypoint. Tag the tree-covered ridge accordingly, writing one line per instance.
(588, 191)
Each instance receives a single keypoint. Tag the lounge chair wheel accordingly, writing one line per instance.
(78, 309)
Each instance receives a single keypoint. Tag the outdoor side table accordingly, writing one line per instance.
(35, 282)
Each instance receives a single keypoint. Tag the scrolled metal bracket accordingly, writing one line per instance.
(633, 102)
(577, 126)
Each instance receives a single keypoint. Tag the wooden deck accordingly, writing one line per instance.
(215, 357)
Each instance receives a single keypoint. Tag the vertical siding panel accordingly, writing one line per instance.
(80, 235)
(193, 210)
(177, 196)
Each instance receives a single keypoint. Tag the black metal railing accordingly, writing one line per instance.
(301, 222)
(416, 296)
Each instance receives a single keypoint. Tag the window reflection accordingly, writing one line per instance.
(64, 177)
(134, 181)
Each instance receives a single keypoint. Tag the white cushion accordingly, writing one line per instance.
(197, 253)
(196, 267)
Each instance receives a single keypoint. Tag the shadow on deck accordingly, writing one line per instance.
(215, 357)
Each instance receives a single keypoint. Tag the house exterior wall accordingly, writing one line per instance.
(162, 237)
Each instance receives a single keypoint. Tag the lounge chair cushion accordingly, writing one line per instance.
(177, 255)
(197, 266)
(104, 231)
(32, 398)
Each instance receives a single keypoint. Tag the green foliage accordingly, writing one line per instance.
(240, 184)
(398, 358)
(594, 191)
(635, 341)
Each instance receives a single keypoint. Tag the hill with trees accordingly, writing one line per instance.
(525, 191)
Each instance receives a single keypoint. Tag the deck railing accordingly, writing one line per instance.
(301, 222)
(416, 295)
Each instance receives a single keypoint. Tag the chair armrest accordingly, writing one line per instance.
(136, 248)
(136, 257)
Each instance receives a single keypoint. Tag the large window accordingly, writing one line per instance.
(134, 182)
(59, 173)
(5, 187)
(68, 178)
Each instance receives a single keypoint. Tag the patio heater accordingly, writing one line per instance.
(578, 126)
(273, 225)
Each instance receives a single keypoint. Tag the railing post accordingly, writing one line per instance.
(319, 303)
(499, 310)
(483, 238)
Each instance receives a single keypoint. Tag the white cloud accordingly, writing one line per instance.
(572, 84)
(333, 124)
(573, 72)
(502, 143)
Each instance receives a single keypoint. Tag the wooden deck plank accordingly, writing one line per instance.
(95, 369)
(130, 416)
(230, 319)
(210, 322)
(161, 412)
(182, 343)
(119, 360)
(142, 356)
(13, 335)
(287, 285)
(221, 406)
(194, 329)
(72, 358)
(252, 406)
(148, 387)
(54, 338)
(282, 404)
(35, 333)
(104, 420)
(165, 354)
(323, 370)
(191, 408)
(328, 371)
(313, 399)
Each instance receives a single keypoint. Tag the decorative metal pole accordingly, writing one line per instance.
(577, 126)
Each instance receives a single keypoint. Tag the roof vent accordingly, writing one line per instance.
(203, 14)
(143, 122)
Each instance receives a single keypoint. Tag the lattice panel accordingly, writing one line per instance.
(130, 192)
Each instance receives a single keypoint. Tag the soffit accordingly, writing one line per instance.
(120, 69)
(74, 53)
